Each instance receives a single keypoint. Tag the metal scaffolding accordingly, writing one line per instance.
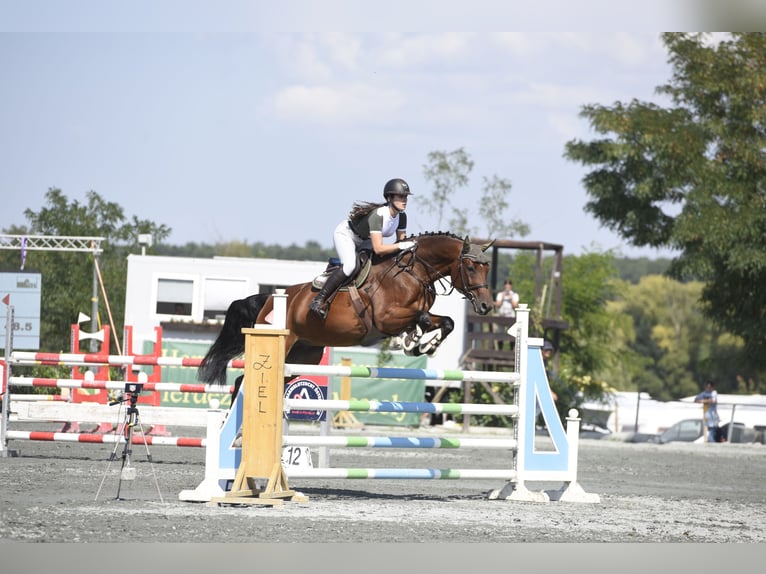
(52, 243)
(62, 243)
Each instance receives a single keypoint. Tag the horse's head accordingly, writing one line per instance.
(470, 275)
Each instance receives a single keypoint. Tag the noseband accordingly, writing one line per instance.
(468, 290)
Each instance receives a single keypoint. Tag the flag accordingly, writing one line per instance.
(23, 252)
(7, 299)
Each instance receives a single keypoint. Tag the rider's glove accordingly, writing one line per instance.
(404, 245)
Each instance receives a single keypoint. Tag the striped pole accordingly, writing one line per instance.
(35, 398)
(115, 385)
(401, 473)
(32, 358)
(400, 373)
(397, 442)
(400, 407)
(106, 438)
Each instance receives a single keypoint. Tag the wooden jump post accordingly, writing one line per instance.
(345, 418)
(260, 477)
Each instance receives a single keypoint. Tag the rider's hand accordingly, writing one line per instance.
(404, 245)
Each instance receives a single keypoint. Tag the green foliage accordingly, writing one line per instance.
(588, 285)
(448, 172)
(311, 251)
(587, 350)
(492, 207)
(691, 176)
(67, 283)
(675, 345)
(632, 269)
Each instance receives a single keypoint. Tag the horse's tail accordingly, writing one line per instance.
(230, 342)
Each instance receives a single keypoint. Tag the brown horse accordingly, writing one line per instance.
(393, 300)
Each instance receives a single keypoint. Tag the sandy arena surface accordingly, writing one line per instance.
(649, 493)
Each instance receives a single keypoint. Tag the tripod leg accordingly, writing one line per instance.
(149, 457)
(127, 472)
(113, 455)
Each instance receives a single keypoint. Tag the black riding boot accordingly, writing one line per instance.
(331, 284)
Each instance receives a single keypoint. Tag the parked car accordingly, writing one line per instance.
(687, 430)
(691, 430)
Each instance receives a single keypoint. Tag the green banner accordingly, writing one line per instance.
(405, 390)
(361, 389)
(188, 375)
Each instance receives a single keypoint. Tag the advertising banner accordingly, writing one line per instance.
(405, 390)
(22, 290)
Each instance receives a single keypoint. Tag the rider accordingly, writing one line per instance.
(367, 221)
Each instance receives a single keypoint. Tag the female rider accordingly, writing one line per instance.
(367, 221)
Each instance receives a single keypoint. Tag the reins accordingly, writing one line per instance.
(435, 275)
(404, 262)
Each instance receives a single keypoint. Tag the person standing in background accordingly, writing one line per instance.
(505, 303)
(507, 300)
(709, 400)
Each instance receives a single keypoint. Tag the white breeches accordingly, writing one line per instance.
(346, 243)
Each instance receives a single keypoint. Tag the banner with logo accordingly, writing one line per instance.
(404, 390)
(303, 387)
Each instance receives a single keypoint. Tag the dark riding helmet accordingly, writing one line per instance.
(396, 186)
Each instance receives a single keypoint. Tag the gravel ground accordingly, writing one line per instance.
(649, 493)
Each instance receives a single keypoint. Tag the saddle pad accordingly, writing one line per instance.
(359, 279)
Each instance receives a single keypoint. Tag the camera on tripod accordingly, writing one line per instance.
(131, 392)
(134, 388)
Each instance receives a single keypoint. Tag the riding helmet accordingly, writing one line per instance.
(396, 186)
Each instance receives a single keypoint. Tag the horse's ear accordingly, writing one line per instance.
(488, 245)
(466, 244)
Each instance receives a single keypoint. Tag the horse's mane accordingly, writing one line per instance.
(435, 234)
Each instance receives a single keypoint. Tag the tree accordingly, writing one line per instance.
(449, 172)
(494, 202)
(587, 350)
(679, 347)
(67, 284)
(692, 176)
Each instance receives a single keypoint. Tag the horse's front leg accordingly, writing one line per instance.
(427, 335)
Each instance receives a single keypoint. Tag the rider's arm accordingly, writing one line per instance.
(380, 248)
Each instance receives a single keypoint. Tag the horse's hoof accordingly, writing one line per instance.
(430, 342)
(411, 339)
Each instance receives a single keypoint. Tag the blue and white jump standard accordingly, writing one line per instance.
(526, 463)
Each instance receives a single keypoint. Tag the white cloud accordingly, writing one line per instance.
(344, 49)
(517, 43)
(405, 51)
(557, 95)
(342, 104)
(301, 58)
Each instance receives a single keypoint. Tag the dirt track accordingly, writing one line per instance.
(649, 493)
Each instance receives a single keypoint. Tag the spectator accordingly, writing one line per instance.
(709, 400)
(506, 302)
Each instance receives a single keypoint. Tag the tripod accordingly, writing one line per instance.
(126, 429)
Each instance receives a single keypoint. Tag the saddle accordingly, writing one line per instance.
(358, 277)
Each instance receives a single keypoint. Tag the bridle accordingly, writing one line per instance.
(435, 275)
(468, 290)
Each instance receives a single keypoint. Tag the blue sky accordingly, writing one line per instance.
(226, 133)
